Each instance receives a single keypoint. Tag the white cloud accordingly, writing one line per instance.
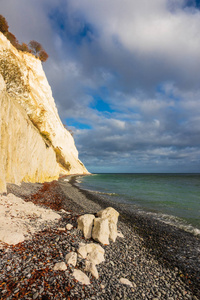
(145, 26)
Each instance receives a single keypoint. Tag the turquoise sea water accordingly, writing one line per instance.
(172, 198)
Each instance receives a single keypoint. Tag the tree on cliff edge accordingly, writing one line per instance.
(43, 56)
(38, 51)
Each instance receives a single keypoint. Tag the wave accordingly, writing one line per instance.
(176, 221)
(78, 181)
(100, 193)
(104, 193)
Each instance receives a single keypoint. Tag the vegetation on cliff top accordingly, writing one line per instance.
(33, 47)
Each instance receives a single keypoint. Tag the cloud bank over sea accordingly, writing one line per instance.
(124, 75)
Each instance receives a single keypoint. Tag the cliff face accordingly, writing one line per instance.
(34, 145)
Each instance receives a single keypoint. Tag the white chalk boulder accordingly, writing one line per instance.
(60, 266)
(11, 237)
(120, 234)
(101, 232)
(126, 282)
(112, 216)
(95, 253)
(64, 211)
(82, 250)
(71, 258)
(61, 229)
(90, 267)
(81, 277)
(92, 252)
(85, 224)
(69, 226)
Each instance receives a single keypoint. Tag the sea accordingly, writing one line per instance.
(171, 198)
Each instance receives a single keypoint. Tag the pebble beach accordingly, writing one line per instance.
(160, 261)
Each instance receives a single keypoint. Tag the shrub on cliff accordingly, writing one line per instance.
(61, 160)
(43, 56)
(12, 38)
(3, 24)
(24, 47)
(4, 29)
(34, 47)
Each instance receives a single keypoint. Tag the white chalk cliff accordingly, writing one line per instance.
(34, 145)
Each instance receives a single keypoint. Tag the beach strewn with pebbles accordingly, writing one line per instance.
(161, 261)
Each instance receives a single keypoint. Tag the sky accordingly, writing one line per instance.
(125, 76)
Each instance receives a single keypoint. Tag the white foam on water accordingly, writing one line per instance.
(175, 221)
(103, 193)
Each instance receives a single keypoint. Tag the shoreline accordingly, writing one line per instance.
(159, 260)
(172, 246)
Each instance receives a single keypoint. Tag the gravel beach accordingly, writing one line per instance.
(161, 261)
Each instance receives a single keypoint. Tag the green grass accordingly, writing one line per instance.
(60, 159)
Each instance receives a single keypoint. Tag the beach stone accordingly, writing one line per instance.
(69, 226)
(41, 290)
(61, 229)
(71, 258)
(90, 267)
(93, 252)
(82, 250)
(64, 211)
(119, 234)
(60, 266)
(112, 215)
(113, 231)
(81, 277)
(85, 224)
(11, 237)
(125, 281)
(35, 295)
(101, 232)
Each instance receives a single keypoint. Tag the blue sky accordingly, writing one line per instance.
(125, 76)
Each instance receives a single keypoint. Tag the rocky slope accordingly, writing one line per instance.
(34, 145)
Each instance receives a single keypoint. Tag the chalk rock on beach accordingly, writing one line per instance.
(71, 258)
(85, 224)
(19, 219)
(95, 253)
(101, 232)
(92, 252)
(61, 229)
(81, 277)
(65, 212)
(11, 237)
(82, 250)
(112, 216)
(120, 234)
(60, 266)
(126, 282)
(90, 267)
(69, 226)
(109, 213)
